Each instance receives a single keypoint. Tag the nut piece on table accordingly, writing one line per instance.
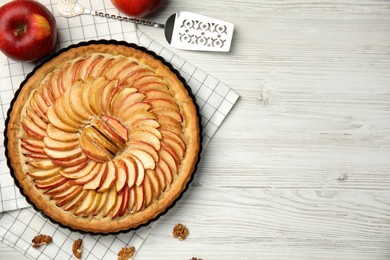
(41, 240)
(180, 231)
(77, 248)
(126, 253)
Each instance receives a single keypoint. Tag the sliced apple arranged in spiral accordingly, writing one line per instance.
(103, 137)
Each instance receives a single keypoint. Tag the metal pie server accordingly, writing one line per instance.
(183, 30)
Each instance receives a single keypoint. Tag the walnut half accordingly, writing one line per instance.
(126, 253)
(77, 248)
(180, 231)
(41, 240)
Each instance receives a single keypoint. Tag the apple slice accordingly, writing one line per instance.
(148, 191)
(76, 103)
(132, 203)
(132, 170)
(69, 196)
(110, 133)
(76, 201)
(153, 94)
(90, 176)
(148, 129)
(174, 147)
(80, 64)
(146, 159)
(132, 75)
(65, 116)
(130, 100)
(146, 137)
(148, 79)
(116, 67)
(78, 161)
(108, 93)
(47, 186)
(86, 203)
(43, 164)
(178, 138)
(57, 122)
(75, 168)
(147, 122)
(32, 149)
(66, 195)
(97, 181)
(118, 204)
(54, 88)
(132, 109)
(65, 77)
(105, 67)
(74, 114)
(138, 116)
(59, 189)
(86, 95)
(98, 59)
(116, 126)
(159, 103)
(98, 67)
(34, 155)
(32, 129)
(96, 94)
(140, 171)
(95, 204)
(155, 182)
(32, 142)
(59, 135)
(46, 90)
(125, 202)
(40, 102)
(119, 99)
(63, 155)
(111, 201)
(59, 145)
(171, 151)
(83, 172)
(164, 168)
(168, 158)
(143, 146)
(48, 180)
(172, 113)
(140, 196)
(127, 70)
(153, 86)
(111, 177)
(102, 203)
(92, 150)
(161, 177)
(36, 119)
(34, 106)
(44, 174)
(97, 138)
(86, 65)
(121, 181)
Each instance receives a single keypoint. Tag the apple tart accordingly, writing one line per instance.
(103, 137)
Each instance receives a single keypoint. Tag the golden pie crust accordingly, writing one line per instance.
(103, 138)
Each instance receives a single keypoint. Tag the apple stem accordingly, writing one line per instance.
(21, 29)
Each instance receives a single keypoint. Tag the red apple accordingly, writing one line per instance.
(137, 8)
(27, 30)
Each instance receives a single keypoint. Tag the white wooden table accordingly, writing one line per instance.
(301, 167)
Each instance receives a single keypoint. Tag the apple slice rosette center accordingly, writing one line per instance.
(103, 139)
